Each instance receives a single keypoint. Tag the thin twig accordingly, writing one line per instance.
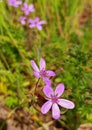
(37, 85)
(48, 124)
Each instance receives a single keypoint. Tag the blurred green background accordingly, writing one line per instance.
(65, 42)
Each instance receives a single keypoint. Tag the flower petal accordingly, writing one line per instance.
(18, 3)
(22, 20)
(46, 107)
(42, 64)
(48, 91)
(39, 27)
(26, 12)
(50, 73)
(42, 22)
(25, 6)
(31, 21)
(66, 103)
(55, 111)
(36, 19)
(36, 74)
(31, 25)
(47, 81)
(59, 90)
(34, 66)
(31, 8)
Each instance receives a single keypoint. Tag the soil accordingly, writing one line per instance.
(22, 119)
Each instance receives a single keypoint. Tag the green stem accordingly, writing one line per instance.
(37, 85)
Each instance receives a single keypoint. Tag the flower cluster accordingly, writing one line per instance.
(42, 72)
(53, 97)
(14, 3)
(25, 18)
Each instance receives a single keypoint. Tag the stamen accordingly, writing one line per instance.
(54, 98)
(43, 73)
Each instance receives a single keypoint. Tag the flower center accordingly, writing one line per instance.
(43, 73)
(54, 98)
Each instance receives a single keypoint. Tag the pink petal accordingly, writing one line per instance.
(36, 19)
(24, 6)
(42, 22)
(22, 18)
(39, 27)
(59, 90)
(32, 25)
(46, 107)
(55, 111)
(66, 103)
(34, 66)
(18, 3)
(26, 12)
(50, 73)
(23, 22)
(31, 8)
(42, 64)
(48, 91)
(31, 21)
(47, 81)
(36, 74)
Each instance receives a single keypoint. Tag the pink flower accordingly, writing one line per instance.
(42, 72)
(14, 3)
(22, 20)
(54, 100)
(36, 23)
(28, 8)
